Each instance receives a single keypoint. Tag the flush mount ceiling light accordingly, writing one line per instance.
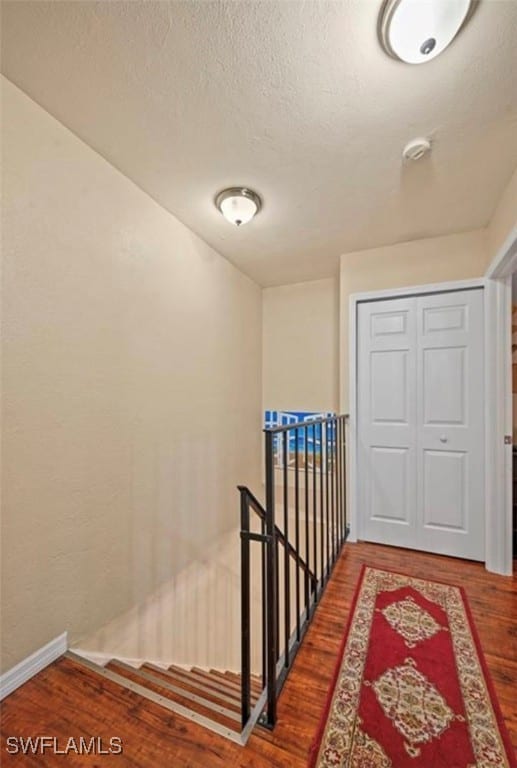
(416, 31)
(238, 204)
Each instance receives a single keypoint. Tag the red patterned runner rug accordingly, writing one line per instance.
(411, 689)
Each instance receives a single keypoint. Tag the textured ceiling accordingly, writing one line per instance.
(293, 98)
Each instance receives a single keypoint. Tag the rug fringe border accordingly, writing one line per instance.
(316, 742)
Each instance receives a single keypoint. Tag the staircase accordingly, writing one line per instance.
(305, 468)
(210, 698)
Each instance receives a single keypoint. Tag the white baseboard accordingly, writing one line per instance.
(18, 675)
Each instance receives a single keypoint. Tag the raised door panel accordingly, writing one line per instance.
(452, 317)
(444, 385)
(445, 490)
(389, 323)
(389, 386)
(390, 494)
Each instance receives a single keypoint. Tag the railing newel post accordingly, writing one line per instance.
(271, 581)
(287, 562)
(245, 610)
(297, 528)
(306, 494)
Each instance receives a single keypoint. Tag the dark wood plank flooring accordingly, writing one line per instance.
(66, 700)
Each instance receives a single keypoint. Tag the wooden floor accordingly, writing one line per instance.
(65, 700)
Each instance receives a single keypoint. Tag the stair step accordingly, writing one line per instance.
(256, 685)
(231, 678)
(225, 679)
(140, 688)
(191, 684)
(198, 676)
(220, 714)
(221, 683)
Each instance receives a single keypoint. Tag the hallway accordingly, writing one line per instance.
(65, 701)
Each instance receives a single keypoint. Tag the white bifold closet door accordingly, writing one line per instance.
(420, 422)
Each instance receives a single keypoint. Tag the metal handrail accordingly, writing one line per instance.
(261, 512)
(322, 494)
(300, 424)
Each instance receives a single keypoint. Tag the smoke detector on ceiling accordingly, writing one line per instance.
(416, 149)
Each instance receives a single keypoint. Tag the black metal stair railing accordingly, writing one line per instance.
(305, 472)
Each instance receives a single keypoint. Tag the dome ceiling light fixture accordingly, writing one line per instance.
(416, 31)
(238, 204)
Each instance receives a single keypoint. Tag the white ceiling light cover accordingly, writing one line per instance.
(238, 204)
(416, 31)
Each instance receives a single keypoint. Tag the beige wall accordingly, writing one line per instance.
(504, 218)
(300, 346)
(131, 387)
(431, 260)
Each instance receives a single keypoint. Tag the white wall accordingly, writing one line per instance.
(504, 218)
(300, 346)
(131, 388)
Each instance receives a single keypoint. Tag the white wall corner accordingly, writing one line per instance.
(498, 417)
(504, 262)
(18, 675)
(499, 406)
(351, 435)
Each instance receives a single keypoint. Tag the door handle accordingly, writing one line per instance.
(443, 438)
